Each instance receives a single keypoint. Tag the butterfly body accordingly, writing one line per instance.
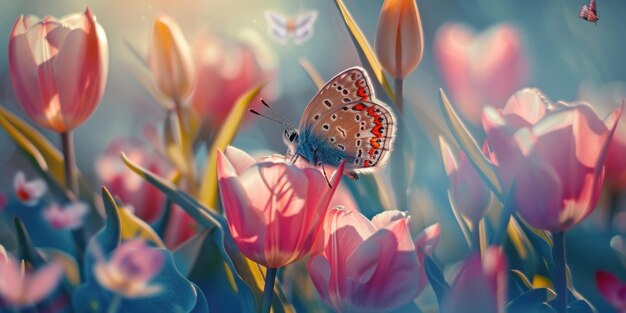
(299, 28)
(589, 13)
(345, 122)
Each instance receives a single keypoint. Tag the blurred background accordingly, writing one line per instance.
(566, 57)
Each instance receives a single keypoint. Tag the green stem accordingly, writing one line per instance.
(559, 280)
(399, 174)
(71, 184)
(399, 85)
(114, 305)
(476, 236)
(268, 291)
(186, 146)
(69, 162)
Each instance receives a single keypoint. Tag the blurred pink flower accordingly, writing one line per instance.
(399, 37)
(469, 194)
(274, 209)
(605, 99)
(19, 287)
(130, 269)
(59, 68)
(3, 201)
(612, 289)
(481, 285)
(146, 200)
(363, 266)
(180, 227)
(29, 192)
(170, 60)
(224, 73)
(553, 152)
(67, 217)
(480, 70)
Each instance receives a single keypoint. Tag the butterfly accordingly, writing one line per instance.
(300, 28)
(589, 13)
(343, 122)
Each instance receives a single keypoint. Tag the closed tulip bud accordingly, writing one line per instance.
(469, 194)
(274, 208)
(481, 285)
(170, 60)
(399, 37)
(554, 154)
(58, 68)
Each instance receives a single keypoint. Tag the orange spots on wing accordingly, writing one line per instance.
(359, 107)
(361, 91)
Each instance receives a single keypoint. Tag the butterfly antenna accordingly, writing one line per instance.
(287, 124)
(277, 112)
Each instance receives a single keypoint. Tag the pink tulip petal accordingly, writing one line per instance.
(41, 283)
(387, 217)
(609, 287)
(239, 159)
(427, 240)
(527, 104)
(11, 278)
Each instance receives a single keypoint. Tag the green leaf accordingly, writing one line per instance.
(366, 54)
(208, 188)
(314, 75)
(470, 147)
(134, 227)
(530, 301)
(436, 279)
(580, 306)
(70, 267)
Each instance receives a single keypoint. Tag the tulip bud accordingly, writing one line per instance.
(170, 60)
(58, 68)
(399, 37)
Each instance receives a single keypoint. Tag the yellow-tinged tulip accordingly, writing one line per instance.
(399, 38)
(170, 60)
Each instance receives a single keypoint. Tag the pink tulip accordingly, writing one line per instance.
(145, 199)
(68, 217)
(274, 209)
(130, 269)
(29, 192)
(170, 60)
(468, 192)
(224, 73)
(482, 69)
(612, 289)
(369, 266)
(399, 37)
(554, 153)
(605, 99)
(58, 68)
(481, 286)
(3, 201)
(19, 287)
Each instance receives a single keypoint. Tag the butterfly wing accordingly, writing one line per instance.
(347, 120)
(593, 12)
(304, 26)
(277, 26)
(584, 12)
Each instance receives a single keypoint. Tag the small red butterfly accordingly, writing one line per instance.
(589, 13)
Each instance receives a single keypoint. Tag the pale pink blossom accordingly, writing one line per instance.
(29, 192)
(19, 287)
(274, 209)
(482, 69)
(70, 216)
(359, 265)
(554, 154)
(130, 269)
(58, 68)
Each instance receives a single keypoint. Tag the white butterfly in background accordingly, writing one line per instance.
(300, 27)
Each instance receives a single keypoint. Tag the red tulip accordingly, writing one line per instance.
(554, 153)
(468, 192)
(58, 68)
(369, 266)
(612, 289)
(274, 209)
(399, 37)
(480, 70)
(481, 285)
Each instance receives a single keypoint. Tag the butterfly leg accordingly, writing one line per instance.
(352, 175)
(294, 158)
(326, 176)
